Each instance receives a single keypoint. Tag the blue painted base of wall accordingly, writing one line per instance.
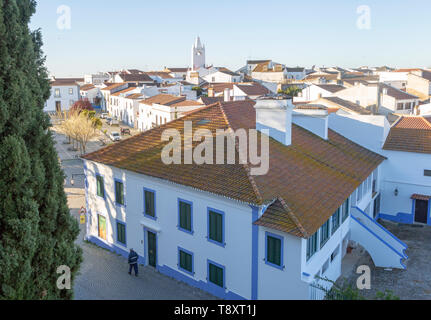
(208, 287)
(113, 248)
(406, 218)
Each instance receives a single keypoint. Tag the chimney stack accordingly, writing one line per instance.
(314, 120)
(226, 95)
(276, 116)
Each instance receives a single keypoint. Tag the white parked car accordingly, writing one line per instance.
(115, 136)
(104, 116)
(114, 122)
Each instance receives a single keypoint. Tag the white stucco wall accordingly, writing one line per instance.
(65, 98)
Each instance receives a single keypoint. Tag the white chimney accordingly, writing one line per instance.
(227, 95)
(313, 120)
(276, 116)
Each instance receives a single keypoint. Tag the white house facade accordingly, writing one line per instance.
(256, 243)
(64, 94)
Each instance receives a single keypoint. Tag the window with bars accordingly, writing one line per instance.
(119, 192)
(215, 226)
(185, 216)
(149, 203)
(216, 275)
(100, 186)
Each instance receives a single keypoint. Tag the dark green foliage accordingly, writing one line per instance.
(37, 232)
(347, 291)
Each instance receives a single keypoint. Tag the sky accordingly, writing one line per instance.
(149, 35)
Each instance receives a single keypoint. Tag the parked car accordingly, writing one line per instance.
(104, 116)
(114, 122)
(125, 131)
(115, 136)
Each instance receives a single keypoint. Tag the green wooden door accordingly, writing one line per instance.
(152, 247)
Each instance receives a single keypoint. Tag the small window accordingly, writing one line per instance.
(312, 245)
(185, 216)
(216, 275)
(101, 226)
(57, 93)
(408, 106)
(324, 234)
(346, 209)
(215, 227)
(121, 233)
(325, 266)
(119, 192)
(186, 261)
(335, 253)
(274, 247)
(400, 106)
(427, 173)
(100, 186)
(335, 221)
(149, 203)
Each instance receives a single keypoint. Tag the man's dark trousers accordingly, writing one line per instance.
(135, 267)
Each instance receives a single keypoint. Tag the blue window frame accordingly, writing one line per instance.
(324, 234)
(312, 245)
(150, 203)
(335, 219)
(119, 192)
(274, 250)
(100, 186)
(185, 261)
(216, 274)
(216, 227)
(121, 233)
(185, 216)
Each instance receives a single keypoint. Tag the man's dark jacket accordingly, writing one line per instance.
(133, 257)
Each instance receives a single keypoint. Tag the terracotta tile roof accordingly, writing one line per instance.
(64, 82)
(227, 71)
(258, 61)
(135, 77)
(163, 99)
(410, 134)
(186, 103)
(161, 74)
(219, 86)
(347, 105)
(398, 94)
(211, 100)
(311, 178)
(180, 70)
(87, 87)
(253, 89)
(114, 86)
(331, 87)
(118, 93)
(420, 197)
(135, 96)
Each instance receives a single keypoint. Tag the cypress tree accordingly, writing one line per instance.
(37, 232)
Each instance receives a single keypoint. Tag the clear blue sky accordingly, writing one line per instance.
(148, 35)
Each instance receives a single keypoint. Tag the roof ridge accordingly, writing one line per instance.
(246, 167)
(293, 217)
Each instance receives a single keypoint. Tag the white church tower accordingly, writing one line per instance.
(198, 55)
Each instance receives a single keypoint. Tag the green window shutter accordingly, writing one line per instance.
(119, 192)
(121, 233)
(274, 250)
(186, 261)
(216, 275)
(185, 216)
(215, 226)
(149, 204)
(100, 186)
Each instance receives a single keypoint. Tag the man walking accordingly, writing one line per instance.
(133, 262)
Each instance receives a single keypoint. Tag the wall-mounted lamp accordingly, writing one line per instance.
(396, 192)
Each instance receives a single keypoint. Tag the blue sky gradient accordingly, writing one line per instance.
(148, 35)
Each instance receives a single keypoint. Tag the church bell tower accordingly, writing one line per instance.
(198, 55)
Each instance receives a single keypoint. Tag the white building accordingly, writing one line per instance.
(297, 73)
(222, 75)
(97, 79)
(236, 235)
(317, 91)
(64, 93)
(163, 108)
(91, 93)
